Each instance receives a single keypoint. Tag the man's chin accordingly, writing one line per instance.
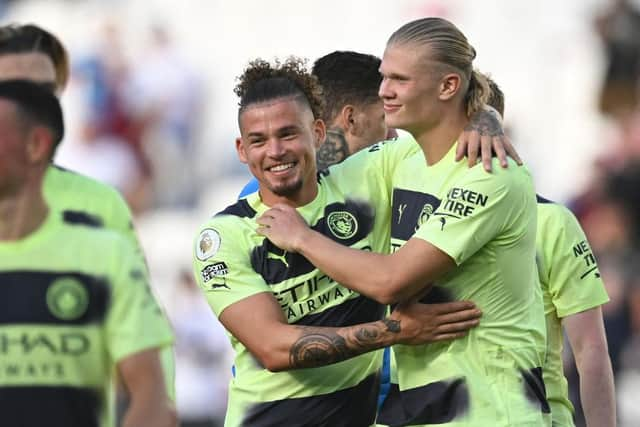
(287, 190)
(392, 124)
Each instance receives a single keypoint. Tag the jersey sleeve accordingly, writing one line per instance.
(135, 321)
(477, 207)
(118, 217)
(571, 274)
(222, 265)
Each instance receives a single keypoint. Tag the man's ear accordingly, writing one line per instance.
(348, 118)
(39, 145)
(320, 132)
(242, 154)
(449, 86)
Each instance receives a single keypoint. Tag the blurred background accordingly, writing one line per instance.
(151, 110)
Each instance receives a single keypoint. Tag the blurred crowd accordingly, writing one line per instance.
(135, 122)
(609, 208)
(137, 128)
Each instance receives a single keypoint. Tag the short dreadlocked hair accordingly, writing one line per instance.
(262, 82)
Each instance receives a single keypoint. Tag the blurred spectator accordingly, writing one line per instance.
(619, 28)
(610, 215)
(105, 138)
(165, 95)
(107, 158)
(203, 359)
(609, 208)
(105, 73)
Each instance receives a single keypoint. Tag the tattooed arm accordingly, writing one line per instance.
(333, 150)
(259, 323)
(317, 346)
(484, 135)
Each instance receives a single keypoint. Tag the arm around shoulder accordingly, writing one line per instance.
(385, 278)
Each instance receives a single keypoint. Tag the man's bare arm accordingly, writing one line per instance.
(258, 322)
(142, 376)
(387, 279)
(589, 344)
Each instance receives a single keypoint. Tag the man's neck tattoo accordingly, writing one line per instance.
(334, 149)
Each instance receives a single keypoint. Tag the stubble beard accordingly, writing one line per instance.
(287, 190)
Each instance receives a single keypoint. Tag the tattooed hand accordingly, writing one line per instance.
(425, 323)
(333, 150)
(484, 134)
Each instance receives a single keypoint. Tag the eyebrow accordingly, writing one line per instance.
(393, 75)
(291, 128)
(279, 131)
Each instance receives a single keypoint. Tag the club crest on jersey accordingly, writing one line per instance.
(342, 224)
(208, 244)
(67, 298)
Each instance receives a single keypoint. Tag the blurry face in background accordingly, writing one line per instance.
(278, 142)
(30, 66)
(13, 151)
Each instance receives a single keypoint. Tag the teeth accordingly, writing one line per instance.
(282, 167)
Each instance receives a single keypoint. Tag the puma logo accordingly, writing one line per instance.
(222, 285)
(282, 258)
(401, 209)
(443, 221)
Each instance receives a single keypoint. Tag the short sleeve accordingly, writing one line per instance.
(222, 265)
(477, 207)
(572, 276)
(119, 218)
(135, 321)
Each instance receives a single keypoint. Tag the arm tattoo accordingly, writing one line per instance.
(324, 346)
(486, 123)
(333, 150)
(318, 349)
(392, 325)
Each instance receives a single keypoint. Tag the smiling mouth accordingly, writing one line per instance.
(281, 167)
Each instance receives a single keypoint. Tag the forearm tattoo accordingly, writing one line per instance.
(333, 150)
(392, 325)
(322, 346)
(485, 122)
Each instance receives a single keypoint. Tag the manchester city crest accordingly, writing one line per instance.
(342, 224)
(67, 298)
